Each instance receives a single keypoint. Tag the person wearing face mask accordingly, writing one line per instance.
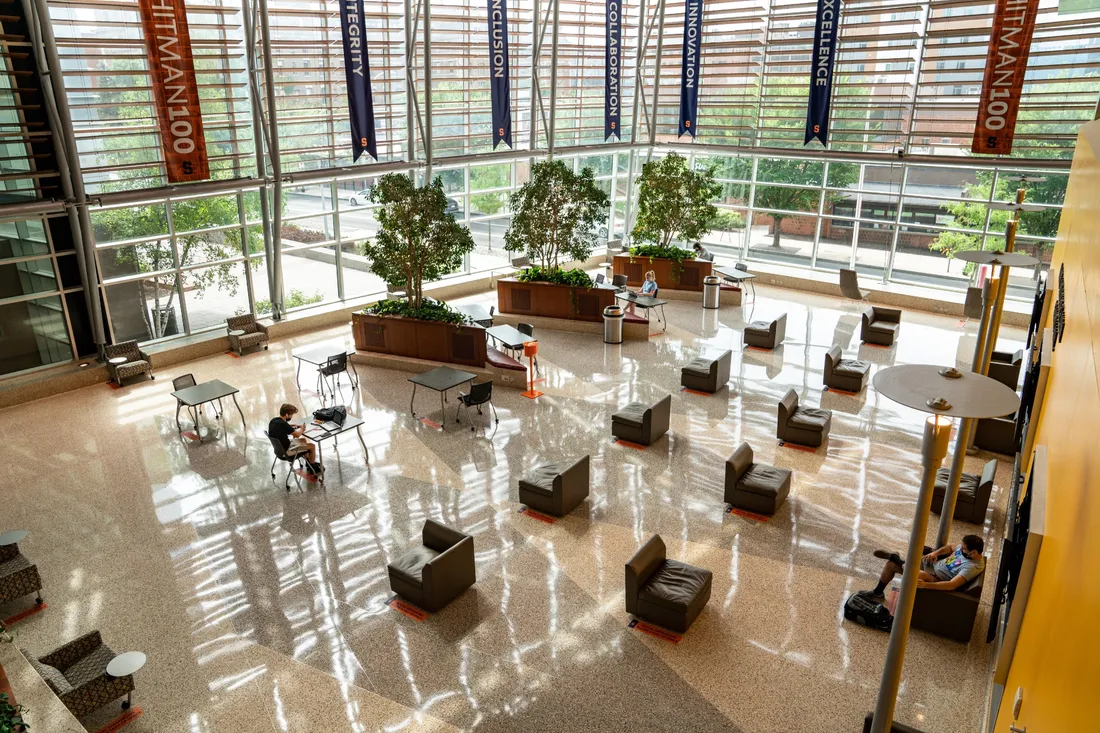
(948, 568)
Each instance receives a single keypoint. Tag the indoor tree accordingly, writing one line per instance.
(418, 241)
(556, 214)
(674, 202)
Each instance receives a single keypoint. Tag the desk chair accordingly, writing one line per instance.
(745, 268)
(849, 286)
(619, 281)
(600, 279)
(331, 370)
(479, 394)
(187, 380)
(290, 459)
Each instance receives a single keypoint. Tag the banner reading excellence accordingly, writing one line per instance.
(689, 66)
(357, 72)
(1005, 67)
(821, 72)
(498, 72)
(175, 93)
(612, 75)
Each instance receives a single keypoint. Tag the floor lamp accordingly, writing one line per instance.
(945, 393)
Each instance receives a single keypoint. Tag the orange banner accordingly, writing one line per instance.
(175, 91)
(1005, 66)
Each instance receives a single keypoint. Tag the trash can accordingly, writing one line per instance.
(712, 288)
(613, 325)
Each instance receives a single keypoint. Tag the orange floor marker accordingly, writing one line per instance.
(416, 614)
(113, 385)
(841, 391)
(544, 518)
(655, 631)
(628, 444)
(695, 391)
(306, 475)
(122, 721)
(805, 448)
(22, 615)
(748, 515)
(757, 348)
(430, 423)
(234, 354)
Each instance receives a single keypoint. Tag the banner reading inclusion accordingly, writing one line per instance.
(1005, 66)
(689, 66)
(357, 72)
(613, 64)
(821, 73)
(498, 72)
(175, 93)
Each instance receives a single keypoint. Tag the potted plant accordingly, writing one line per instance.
(11, 715)
(674, 204)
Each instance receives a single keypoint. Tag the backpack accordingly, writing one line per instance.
(866, 612)
(337, 414)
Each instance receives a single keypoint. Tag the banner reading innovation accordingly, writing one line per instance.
(498, 72)
(612, 74)
(175, 93)
(357, 72)
(821, 71)
(689, 66)
(1005, 66)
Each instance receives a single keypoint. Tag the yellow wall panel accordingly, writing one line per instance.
(1057, 658)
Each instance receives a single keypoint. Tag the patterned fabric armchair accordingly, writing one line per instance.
(18, 577)
(77, 673)
(137, 361)
(255, 333)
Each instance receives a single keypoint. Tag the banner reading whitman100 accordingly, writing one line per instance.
(175, 93)
(1005, 66)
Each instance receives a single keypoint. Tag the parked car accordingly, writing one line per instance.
(453, 208)
(360, 197)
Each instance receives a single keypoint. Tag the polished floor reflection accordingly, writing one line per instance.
(262, 610)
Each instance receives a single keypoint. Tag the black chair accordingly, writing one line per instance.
(600, 279)
(619, 281)
(331, 370)
(479, 394)
(187, 380)
(528, 330)
(741, 266)
(282, 455)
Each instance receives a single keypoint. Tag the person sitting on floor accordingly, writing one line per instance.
(702, 253)
(290, 436)
(948, 568)
(649, 287)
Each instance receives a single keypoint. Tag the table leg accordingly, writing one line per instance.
(221, 410)
(442, 409)
(412, 400)
(359, 432)
(355, 372)
(178, 406)
(297, 373)
(241, 412)
(664, 319)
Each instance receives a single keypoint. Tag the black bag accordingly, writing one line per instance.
(337, 414)
(866, 612)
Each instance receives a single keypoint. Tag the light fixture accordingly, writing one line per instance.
(946, 393)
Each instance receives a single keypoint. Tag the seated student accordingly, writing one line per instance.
(290, 436)
(649, 287)
(702, 253)
(948, 568)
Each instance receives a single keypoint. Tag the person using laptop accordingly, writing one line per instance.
(649, 287)
(292, 437)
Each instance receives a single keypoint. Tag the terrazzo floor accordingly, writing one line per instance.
(262, 610)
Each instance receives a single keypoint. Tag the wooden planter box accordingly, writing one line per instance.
(635, 269)
(553, 301)
(418, 339)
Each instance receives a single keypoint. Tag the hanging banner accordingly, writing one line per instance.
(357, 72)
(821, 71)
(175, 93)
(498, 72)
(689, 66)
(1005, 66)
(612, 70)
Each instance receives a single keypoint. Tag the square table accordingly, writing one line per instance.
(646, 302)
(508, 336)
(439, 379)
(738, 276)
(477, 313)
(318, 355)
(200, 394)
(318, 435)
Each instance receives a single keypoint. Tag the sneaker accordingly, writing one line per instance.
(317, 468)
(872, 596)
(891, 556)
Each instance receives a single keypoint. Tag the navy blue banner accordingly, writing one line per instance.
(357, 71)
(498, 72)
(821, 71)
(689, 66)
(612, 70)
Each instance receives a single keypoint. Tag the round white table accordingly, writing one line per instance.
(126, 664)
(12, 537)
(118, 360)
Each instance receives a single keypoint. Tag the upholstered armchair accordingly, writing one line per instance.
(880, 325)
(18, 577)
(707, 375)
(665, 592)
(847, 375)
(77, 673)
(1005, 367)
(974, 493)
(641, 423)
(807, 426)
(554, 489)
(766, 334)
(255, 333)
(949, 613)
(755, 487)
(137, 361)
(437, 571)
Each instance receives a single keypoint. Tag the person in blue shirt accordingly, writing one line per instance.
(948, 568)
(649, 287)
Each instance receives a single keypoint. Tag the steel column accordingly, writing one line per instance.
(657, 75)
(259, 138)
(553, 81)
(410, 84)
(69, 169)
(276, 168)
(428, 158)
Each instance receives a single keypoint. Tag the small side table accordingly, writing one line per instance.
(124, 665)
(13, 537)
(236, 332)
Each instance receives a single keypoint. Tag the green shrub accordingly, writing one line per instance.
(657, 251)
(294, 299)
(727, 221)
(574, 278)
(428, 311)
